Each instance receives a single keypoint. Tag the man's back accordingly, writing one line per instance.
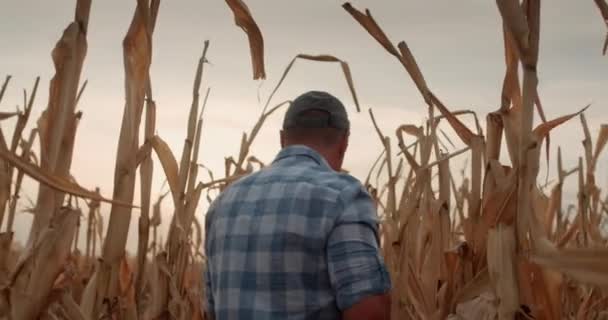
(279, 243)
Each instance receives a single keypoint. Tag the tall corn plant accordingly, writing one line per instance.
(8, 197)
(57, 125)
(170, 267)
(508, 216)
(53, 228)
(137, 51)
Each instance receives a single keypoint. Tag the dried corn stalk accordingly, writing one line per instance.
(137, 48)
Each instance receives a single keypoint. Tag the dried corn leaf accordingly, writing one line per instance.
(510, 120)
(586, 265)
(169, 164)
(416, 293)
(462, 131)
(156, 210)
(318, 58)
(494, 130)
(53, 248)
(8, 115)
(351, 84)
(444, 158)
(247, 140)
(474, 288)
(515, 21)
(367, 21)
(55, 182)
(583, 311)
(552, 208)
(532, 11)
(345, 70)
(553, 286)
(600, 144)
(371, 170)
(498, 208)
(541, 113)
(501, 268)
(23, 118)
(587, 143)
(126, 281)
(603, 6)
(477, 149)
(4, 86)
(409, 62)
(481, 308)
(244, 19)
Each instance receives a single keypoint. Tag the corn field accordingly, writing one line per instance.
(486, 243)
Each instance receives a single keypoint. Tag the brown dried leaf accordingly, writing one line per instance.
(55, 182)
(156, 210)
(543, 130)
(587, 142)
(585, 265)
(4, 85)
(445, 157)
(515, 21)
(8, 115)
(462, 131)
(345, 70)
(511, 90)
(411, 129)
(169, 164)
(603, 6)
(367, 21)
(481, 308)
(409, 62)
(244, 19)
(54, 249)
(501, 268)
(532, 11)
(510, 120)
(126, 281)
(474, 288)
(600, 144)
(498, 207)
(552, 208)
(320, 58)
(494, 131)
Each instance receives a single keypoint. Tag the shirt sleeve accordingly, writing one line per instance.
(356, 267)
(209, 302)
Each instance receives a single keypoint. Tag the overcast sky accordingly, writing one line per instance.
(458, 46)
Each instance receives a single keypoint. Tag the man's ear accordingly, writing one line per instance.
(343, 145)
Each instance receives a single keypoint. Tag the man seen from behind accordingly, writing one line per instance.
(298, 239)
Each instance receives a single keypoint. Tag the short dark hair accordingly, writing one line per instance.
(326, 136)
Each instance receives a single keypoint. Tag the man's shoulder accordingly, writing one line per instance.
(339, 184)
(342, 181)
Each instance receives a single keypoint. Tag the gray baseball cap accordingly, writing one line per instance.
(335, 117)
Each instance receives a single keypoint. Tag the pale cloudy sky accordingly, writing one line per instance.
(458, 45)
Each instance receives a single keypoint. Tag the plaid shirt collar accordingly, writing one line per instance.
(302, 151)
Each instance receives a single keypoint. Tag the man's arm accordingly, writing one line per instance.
(356, 267)
(374, 307)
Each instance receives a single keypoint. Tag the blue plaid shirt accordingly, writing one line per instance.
(295, 240)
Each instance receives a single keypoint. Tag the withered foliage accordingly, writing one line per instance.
(495, 245)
